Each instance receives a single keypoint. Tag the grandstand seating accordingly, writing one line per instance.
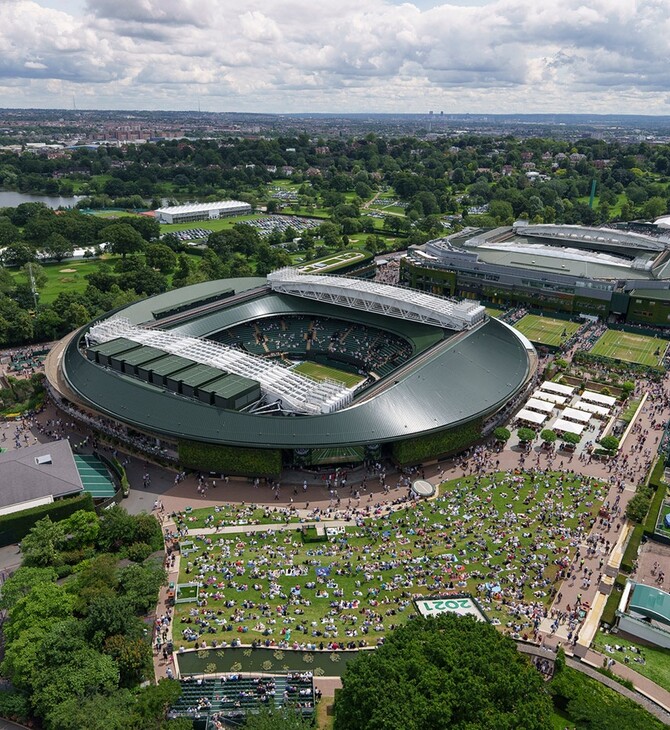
(232, 696)
(370, 349)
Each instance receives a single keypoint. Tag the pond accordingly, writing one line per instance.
(11, 199)
(243, 659)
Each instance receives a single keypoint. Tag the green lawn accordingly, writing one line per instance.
(461, 540)
(546, 330)
(332, 261)
(66, 276)
(630, 347)
(323, 372)
(493, 312)
(657, 661)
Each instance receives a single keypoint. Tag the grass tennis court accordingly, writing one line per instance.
(630, 347)
(323, 372)
(546, 330)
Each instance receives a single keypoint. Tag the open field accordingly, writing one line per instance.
(493, 312)
(323, 372)
(546, 330)
(657, 661)
(630, 347)
(263, 584)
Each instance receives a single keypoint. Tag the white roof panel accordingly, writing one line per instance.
(202, 207)
(557, 388)
(575, 415)
(540, 405)
(605, 400)
(531, 416)
(568, 427)
(592, 408)
(549, 397)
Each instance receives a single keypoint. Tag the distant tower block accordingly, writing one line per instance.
(430, 120)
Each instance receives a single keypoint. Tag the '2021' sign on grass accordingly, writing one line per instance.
(462, 605)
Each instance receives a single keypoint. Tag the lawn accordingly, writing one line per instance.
(657, 661)
(546, 330)
(630, 347)
(217, 224)
(496, 537)
(493, 312)
(67, 276)
(323, 372)
(333, 261)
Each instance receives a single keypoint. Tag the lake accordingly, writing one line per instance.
(11, 199)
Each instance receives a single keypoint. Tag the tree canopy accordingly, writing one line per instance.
(445, 672)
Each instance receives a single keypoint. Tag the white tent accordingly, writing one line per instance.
(592, 408)
(568, 427)
(531, 417)
(540, 405)
(557, 388)
(604, 400)
(550, 397)
(574, 415)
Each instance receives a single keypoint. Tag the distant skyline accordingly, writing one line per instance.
(289, 56)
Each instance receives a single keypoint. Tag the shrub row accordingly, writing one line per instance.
(230, 460)
(443, 443)
(612, 364)
(15, 526)
(630, 554)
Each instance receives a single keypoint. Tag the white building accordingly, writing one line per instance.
(202, 211)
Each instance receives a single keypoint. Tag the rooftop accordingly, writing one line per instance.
(203, 207)
(37, 474)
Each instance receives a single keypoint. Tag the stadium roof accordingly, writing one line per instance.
(461, 378)
(296, 392)
(203, 207)
(385, 299)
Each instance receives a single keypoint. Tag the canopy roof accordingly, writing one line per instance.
(568, 426)
(531, 416)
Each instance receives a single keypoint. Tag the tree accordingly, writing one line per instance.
(572, 438)
(8, 232)
(639, 505)
(18, 253)
(609, 443)
(548, 436)
(161, 257)
(502, 434)
(22, 582)
(444, 672)
(526, 435)
(57, 247)
(123, 238)
(40, 547)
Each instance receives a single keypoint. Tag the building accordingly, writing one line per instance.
(610, 273)
(202, 211)
(644, 612)
(37, 475)
(220, 385)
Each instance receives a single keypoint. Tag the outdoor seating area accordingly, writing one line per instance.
(232, 696)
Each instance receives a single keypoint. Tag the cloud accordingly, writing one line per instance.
(298, 55)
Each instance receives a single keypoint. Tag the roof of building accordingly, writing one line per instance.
(203, 207)
(37, 473)
(463, 377)
(651, 602)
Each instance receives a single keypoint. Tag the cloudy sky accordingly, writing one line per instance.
(608, 56)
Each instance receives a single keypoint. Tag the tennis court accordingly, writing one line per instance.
(630, 347)
(323, 372)
(546, 330)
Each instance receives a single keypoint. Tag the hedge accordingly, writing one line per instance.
(609, 612)
(16, 525)
(630, 555)
(416, 450)
(230, 460)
